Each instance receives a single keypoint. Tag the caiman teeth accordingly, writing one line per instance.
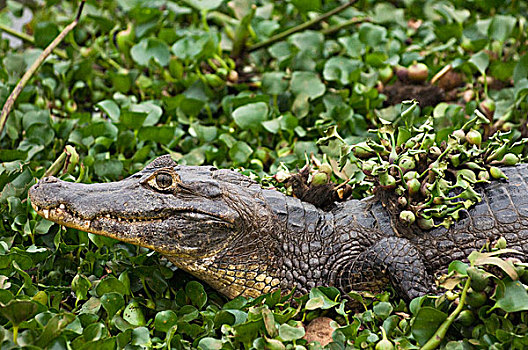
(46, 213)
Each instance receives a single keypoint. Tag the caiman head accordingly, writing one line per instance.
(197, 216)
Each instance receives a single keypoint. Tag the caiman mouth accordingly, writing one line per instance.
(63, 215)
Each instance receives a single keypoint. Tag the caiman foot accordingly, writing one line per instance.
(392, 259)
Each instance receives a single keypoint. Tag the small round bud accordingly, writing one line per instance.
(407, 217)
(474, 137)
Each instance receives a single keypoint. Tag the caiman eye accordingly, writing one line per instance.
(164, 180)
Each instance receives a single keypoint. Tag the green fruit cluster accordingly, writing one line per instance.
(429, 180)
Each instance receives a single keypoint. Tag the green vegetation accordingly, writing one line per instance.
(218, 82)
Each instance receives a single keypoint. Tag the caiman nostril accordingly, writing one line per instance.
(49, 179)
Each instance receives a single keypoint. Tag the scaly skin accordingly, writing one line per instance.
(244, 240)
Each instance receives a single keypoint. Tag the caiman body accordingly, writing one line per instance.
(245, 240)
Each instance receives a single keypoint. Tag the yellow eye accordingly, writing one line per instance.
(164, 180)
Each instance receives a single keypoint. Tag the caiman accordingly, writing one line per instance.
(241, 239)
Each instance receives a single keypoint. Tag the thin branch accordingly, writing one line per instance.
(333, 29)
(34, 67)
(28, 38)
(300, 27)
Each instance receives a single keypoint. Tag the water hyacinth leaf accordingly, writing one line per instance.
(250, 116)
(426, 323)
(53, 328)
(273, 83)
(133, 314)
(141, 337)
(110, 108)
(153, 112)
(372, 34)
(521, 69)
(165, 320)
(480, 61)
(80, 286)
(195, 291)
(501, 27)
(18, 311)
(289, 333)
(479, 259)
(308, 84)
(240, 152)
(309, 42)
(110, 284)
(109, 168)
(383, 309)
(162, 134)
(112, 302)
(150, 48)
(45, 32)
(307, 5)
(210, 344)
(340, 69)
(205, 4)
(511, 296)
(195, 46)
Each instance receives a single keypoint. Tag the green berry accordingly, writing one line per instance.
(407, 163)
(407, 216)
(418, 72)
(425, 224)
(414, 186)
(510, 159)
(320, 179)
(474, 137)
(496, 173)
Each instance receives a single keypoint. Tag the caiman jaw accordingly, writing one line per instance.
(63, 215)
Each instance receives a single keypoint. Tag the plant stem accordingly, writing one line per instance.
(333, 29)
(28, 38)
(300, 27)
(440, 333)
(34, 67)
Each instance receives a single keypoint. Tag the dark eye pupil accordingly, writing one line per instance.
(163, 180)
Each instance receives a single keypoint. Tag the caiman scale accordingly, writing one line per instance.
(245, 240)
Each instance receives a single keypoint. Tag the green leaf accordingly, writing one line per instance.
(18, 311)
(289, 333)
(150, 48)
(195, 291)
(372, 34)
(80, 286)
(240, 152)
(162, 134)
(141, 337)
(521, 69)
(110, 168)
(165, 320)
(251, 116)
(308, 84)
(426, 323)
(111, 109)
(511, 296)
(133, 314)
(110, 284)
(210, 344)
(307, 5)
(382, 309)
(480, 61)
(204, 4)
(112, 302)
(341, 69)
(45, 33)
(273, 83)
(501, 27)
